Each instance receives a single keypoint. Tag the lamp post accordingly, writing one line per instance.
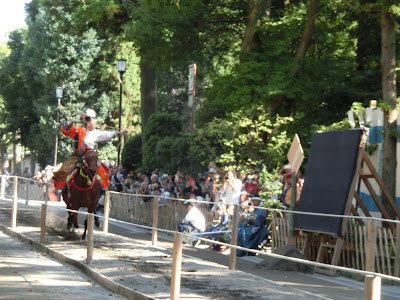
(59, 94)
(121, 65)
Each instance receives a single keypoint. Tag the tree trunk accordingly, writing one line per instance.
(257, 9)
(388, 65)
(148, 92)
(305, 41)
(301, 51)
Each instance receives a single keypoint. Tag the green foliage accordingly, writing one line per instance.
(158, 127)
(245, 139)
(132, 153)
(270, 186)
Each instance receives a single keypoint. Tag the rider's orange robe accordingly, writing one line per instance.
(78, 134)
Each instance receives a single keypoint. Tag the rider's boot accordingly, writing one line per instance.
(103, 191)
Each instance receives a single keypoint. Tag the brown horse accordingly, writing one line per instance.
(83, 190)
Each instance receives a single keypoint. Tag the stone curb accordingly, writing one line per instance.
(101, 279)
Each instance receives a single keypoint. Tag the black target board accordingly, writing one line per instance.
(330, 171)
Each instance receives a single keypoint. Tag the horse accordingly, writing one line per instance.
(83, 191)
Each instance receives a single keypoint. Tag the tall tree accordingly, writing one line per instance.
(388, 68)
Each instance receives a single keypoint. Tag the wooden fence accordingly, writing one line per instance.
(140, 210)
(135, 209)
(354, 250)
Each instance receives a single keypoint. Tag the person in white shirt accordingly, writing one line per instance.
(194, 219)
(231, 187)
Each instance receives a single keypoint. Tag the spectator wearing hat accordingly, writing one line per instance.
(251, 184)
(85, 138)
(252, 232)
(194, 219)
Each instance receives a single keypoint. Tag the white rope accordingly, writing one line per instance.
(338, 268)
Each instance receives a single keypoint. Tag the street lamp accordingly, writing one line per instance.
(59, 94)
(121, 65)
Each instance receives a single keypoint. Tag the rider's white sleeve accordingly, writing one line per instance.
(95, 136)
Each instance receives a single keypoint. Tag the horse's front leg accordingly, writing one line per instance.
(70, 221)
(96, 220)
(76, 223)
(84, 233)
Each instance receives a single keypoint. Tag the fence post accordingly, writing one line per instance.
(397, 252)
(3, 185)
(155, 221)
(234, 239)
(291, 239)
(176, 267)
(274, 232)
(14, 203)
(27, 191)
(89, 244)
(106, 212)
(372, 283)
(43, 223)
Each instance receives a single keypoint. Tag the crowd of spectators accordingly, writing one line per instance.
(214, 190)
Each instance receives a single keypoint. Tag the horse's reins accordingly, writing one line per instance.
(90, 183)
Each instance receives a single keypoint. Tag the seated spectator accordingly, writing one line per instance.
(154, 182)
(287, 192)
(143, 191)
(164, 183)
(179, 185)
(252, 232)
(157, 196)
(252, 186)
(232, 187)
(245, 209)
(116, 184)
(121, 172)
(200, 201)
(192, 186)
(222, 225)
(130, 186)
(27, 173)
(194, 219)
(215, 197)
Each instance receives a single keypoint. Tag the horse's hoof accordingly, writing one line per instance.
(83, 237)
(97, 224)
(76, 226)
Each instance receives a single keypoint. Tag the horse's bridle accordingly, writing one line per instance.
(90, 183)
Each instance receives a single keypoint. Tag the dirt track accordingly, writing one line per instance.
(147, 269)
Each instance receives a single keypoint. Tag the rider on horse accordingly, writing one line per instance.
(85, 139)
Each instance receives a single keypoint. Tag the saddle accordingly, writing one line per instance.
(68, 166)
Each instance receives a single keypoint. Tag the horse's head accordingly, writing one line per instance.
(90, 163)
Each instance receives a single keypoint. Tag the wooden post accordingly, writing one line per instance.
(372, 290)
(89, 244)
(274, 232)
(43, 223)
(46, 193)
(27, 191)
(176, 267)
(397, 252)
(155, 221)
(235, 226)
(3, 185)
(14, 203)
(291, 239)
(106, 212)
